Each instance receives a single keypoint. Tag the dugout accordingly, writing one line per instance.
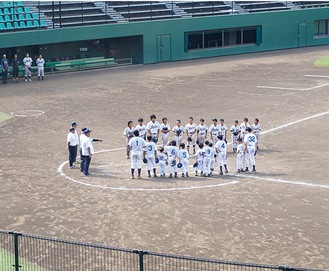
(177, 39)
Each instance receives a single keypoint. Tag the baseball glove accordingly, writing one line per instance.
(179, 165)
(155, 139)
(173, 163)
(195, 164)
(255, 153)
(165, 129)
(144, 160)
(178, 132)
(189, 139)
(235, 133)
(156, 160)
(197, 141)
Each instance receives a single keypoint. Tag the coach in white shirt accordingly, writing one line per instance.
(87, 152)
(72, 146)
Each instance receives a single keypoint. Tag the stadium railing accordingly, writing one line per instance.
(26, 252)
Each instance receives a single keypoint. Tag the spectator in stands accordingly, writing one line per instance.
(15, 69)
(4, 66)
(27, 67)
(41, 67)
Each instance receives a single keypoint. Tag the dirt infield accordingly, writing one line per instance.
(280, 217)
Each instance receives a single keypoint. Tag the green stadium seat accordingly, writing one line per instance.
(14, 18)
(9, 26)
(29, 24)
(6, 11)
(43, 23)
(3, 26)
(35, 16)
(20, 10)
(27, 10)
(7, 18)
(5, 4)
(22, 25)
(21, 17)
(1, 19)
(19, 4)
(12, 11)
(1, 13)
(28, 17)
(16, 25)
(36, 23)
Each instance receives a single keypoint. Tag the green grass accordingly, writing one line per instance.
(4, 117)
(322, 62)
(7, 261)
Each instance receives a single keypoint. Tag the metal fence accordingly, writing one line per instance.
(25, 252)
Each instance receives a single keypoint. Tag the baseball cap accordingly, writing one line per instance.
(84, 129)
(72, 129)
(87, 131)
(248, 129)
(74, 123)
(214, 119)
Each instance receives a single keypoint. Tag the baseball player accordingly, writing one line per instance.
(150, 153)
(223, 130)
(199, 159)
(202, 131)
(74, 125)
(172, 152)
(72, 146)
(214, 131)
(256, 128)
(153, 128)
(213, 158)
(244, 125)
(239, 156)
(129, 133)
(183, 156)
(41, 67)
(162, 162)
(87, 152)
(221, 149)
(178, 130)
(165, 130)
(137, 145)
(250, 141)
(208, 151)
(235, 130)
(27, 67)
(141, 128)
(191, 129)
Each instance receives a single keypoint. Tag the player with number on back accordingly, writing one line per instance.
(141, 128)
(250, 141)
(137, 145)
(221, 149)
(191, 129)
(128, 133)
(153, 128)
(183, 156)
(178, 130)
(165, 130)
(172, 152)
(202, 131)
(162, 162)
(208, 151)
(150, 155)
(256, 130)
(199, 157)
(214, 131)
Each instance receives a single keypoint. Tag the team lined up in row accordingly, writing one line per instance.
(244, 138)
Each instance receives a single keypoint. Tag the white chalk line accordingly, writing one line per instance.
(315, 75)
(306, 184)
(19, 113)
(298, 89)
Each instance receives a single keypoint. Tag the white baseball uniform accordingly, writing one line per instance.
(165, 136)
(221, 149)
(256, 128)
(153, 128)
(142, 130)
(199, 158)
(250, 140)
(191, 132)
(208, 151)
(178, 138)
(172, 152)
(235, 130)
(222, 131)
(202, 133)
(214, 132)
(137, 145)
(162, 163)
(27, 67)
(41, 66)
(150, 150)
(239, 156)
(243, 128)
(183, 156)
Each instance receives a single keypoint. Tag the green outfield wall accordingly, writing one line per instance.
(167, 40)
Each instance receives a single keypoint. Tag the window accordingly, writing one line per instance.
(321, 28)
(221, 38)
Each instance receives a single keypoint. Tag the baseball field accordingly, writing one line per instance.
(278, 216)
